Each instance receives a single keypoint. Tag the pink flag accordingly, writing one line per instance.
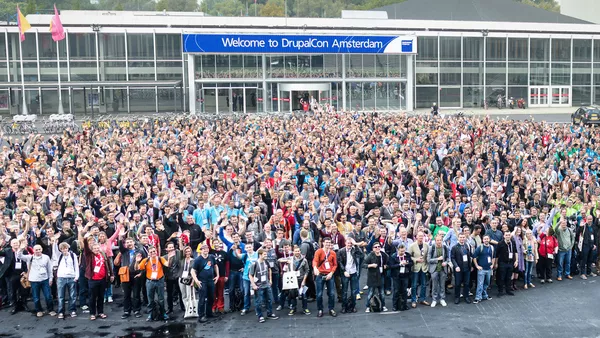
(56, 27)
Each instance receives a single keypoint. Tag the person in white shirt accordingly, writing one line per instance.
(40, 276)
(67, 275)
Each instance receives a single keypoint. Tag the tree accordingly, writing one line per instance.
(273, 8)
(177, 5)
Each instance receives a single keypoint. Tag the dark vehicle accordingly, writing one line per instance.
(586, 115)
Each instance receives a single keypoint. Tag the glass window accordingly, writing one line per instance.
(316, 65)
(381, 62)
(83, 71)
(450, 73)
(539, 50)
(449, 97)
(141, 70)
(140, 46)
(252, 66)
(354, 66)
(222, 70)
(205, 66)
(473, 73)
(427, 73)
(472, 49)
(49, 71)
(354, 94)
(596, 50)
(427, 47)
(168, 46)
(517, 93)
(581, 96)
(332, 65)
(142, 99)
(472, 97)
(561, 50)
(561, 74)
(304, 66)
(82, 46)
(539, 74)
(114, 46)
(369, 95)
(47, 47)
(426, 96)
(495, 73)
(518, 49)
(113, 71)
(276, 66)
(582, 50)
(449, 48)
(291, 66)
(496, 49)
(236, 66)
(2, 47)
(582, 74)
(596, 74)
(169, 70)
(517, 74)
(369, 66)
(29, 48)
(596, 97)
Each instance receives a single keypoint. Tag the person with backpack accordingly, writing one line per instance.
(261, 279)
(307, 249)
(298, 265)
(376, 263)
(67, 274)
(438, 259)
(205, 273)
(131, 281)
(348, 265)
(484, 261)
(40, 276)
(154, 269)
(400, 264)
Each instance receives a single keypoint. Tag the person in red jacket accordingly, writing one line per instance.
(548, 247)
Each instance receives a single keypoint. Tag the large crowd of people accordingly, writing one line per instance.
(379, 211)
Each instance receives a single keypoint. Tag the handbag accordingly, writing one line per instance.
(25, 283)
(124, 274)
(290, 279)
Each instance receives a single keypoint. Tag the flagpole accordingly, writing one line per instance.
(24, 108)
(61, 110)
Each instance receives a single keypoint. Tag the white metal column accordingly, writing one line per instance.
(343, 82)
(410, 86)
(191, 83)
(265, 99)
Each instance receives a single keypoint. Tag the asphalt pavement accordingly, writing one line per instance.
(561, 309)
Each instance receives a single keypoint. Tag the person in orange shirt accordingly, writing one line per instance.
(153, 266)
(324, 266)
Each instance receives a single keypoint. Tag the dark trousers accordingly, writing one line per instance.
(206, 297)
(3, 291)
(16, 293)
(352, 283)
(172, 290)
(400, 297)
(311, 291)
(275, 288)
(461, 277)
(504, 277)
(235, 281)
(131, 295)
(545, 264)
(587, 257)
(83, 288)
(96, 301)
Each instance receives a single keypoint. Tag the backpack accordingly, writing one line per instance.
(375, 304)
(72, 258)
(350, 304)
(238, 300)
(310, 251)
(157, 312)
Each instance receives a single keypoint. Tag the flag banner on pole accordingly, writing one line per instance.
(56, 27)
(24, 25)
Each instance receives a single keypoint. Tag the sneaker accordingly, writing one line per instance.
(549, 280)
(385, 309)
(61, 316)
(226, 292)
(261, 319)
(433, 304)
(73, 314)
(366, 288)
(358, 297)
(292, 312)
(368, 310)
(306, 312)
(40, 314)
(443, 302)
(125, 315)
(542, 281)
(138, 314)
(110, 299)
(531, 285)
(583, 277)
(272, 316)
(388, 292)
(85, 308)
(476, 301)
(332, 313)
(593, 274)
(243, 313)
(278, 308)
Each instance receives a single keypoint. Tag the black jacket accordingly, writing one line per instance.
(394, 265)
(342, 258)
(456, 255)
(375, 275)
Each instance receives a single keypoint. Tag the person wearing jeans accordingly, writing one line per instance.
(205, 272)
(418, 252)
(438, 259)
(40, 276)
(348, 263)
(324, 265)
(484, 261)
(566, 241)
(260, 276)
(67, 274)
(247, 260)
(530, 250)
(153, 268)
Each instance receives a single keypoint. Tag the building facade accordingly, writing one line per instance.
(134, 62)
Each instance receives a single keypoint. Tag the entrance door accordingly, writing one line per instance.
(561, 96)
(291, 94)
(538, 96)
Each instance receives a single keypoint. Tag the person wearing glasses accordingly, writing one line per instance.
(376, 264)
